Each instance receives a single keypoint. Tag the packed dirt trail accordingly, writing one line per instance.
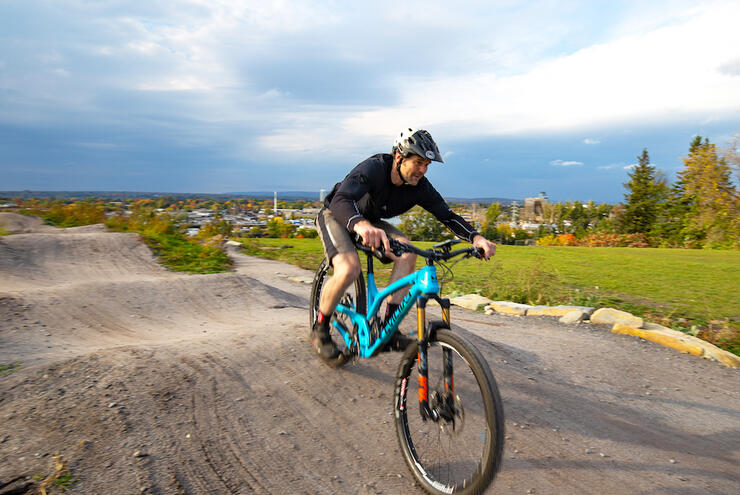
(148, 381)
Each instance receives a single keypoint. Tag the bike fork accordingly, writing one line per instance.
(423, 368)
(422, 359)
(447, 353)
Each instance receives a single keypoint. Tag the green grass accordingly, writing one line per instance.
(3, 231)
(678, 288)
(65, 481)
(6, 369)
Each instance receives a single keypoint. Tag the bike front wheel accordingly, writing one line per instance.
(460, 451)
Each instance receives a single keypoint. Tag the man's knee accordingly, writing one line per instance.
(346, 266)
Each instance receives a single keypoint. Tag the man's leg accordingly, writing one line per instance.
(340, 250)
(346, 270)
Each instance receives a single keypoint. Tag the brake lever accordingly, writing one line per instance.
(397, 247)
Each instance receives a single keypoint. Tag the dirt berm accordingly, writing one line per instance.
(147, 381)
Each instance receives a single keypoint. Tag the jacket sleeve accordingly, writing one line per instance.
(436, 205)
(344, 203)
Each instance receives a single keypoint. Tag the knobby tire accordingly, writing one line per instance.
(443, 457)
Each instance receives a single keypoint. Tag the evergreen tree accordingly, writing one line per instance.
(670, 226)
(642, 200)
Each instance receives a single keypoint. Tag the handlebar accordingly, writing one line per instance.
(398, 248)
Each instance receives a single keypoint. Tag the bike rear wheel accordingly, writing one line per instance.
(462, 453)
(355, 297)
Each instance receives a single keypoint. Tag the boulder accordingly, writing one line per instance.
(509, 308)
(573, 317)
(682, 342)
(470, 301)
(669, 338)
(557, 310)
(609, 316)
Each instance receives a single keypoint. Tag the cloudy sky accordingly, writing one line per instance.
(240, 95)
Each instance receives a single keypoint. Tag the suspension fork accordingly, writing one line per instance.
(423, 369)
(447, 353)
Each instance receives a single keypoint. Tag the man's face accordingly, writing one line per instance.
(413, 168)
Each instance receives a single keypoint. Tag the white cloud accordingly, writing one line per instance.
(564, 163)
(591, 141)
(630, 167)
(730, 68)
(644, 76)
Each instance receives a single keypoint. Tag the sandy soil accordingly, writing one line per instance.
(147, 381)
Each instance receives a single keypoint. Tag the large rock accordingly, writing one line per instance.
(509, 308)
(573, 317)
(667, 337)
(557, 310)
(609, 316)
(722, 356)
(471, 301)
(682, 342)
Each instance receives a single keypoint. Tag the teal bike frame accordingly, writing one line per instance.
(423, 284)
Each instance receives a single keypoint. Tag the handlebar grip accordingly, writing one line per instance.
(378, 252)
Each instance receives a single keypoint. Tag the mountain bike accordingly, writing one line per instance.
(455, 441)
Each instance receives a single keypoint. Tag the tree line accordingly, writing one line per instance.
(701, 209)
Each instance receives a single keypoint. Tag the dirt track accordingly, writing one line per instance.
(210, 381)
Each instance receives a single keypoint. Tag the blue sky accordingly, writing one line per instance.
(222, 95)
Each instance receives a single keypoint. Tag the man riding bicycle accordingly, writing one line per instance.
(382, 186)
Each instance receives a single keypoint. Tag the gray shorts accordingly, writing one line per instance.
(337, 239)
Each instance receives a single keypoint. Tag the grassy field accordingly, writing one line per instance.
(689, 290)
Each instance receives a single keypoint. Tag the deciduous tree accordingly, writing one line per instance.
(714, 203)
(420, 225)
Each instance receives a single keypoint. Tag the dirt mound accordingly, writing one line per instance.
(67, 292)
(18, 224)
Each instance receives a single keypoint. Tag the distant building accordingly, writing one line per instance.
(322, 195)
(514, 212)
(534, 208)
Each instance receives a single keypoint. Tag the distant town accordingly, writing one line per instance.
(292, 213)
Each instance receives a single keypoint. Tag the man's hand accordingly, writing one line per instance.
(373, 236)
(489, 248)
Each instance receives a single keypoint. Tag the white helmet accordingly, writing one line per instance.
(418, 142)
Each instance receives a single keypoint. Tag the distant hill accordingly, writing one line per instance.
(283, 195)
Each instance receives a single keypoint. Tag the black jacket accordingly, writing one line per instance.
(367, 193)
